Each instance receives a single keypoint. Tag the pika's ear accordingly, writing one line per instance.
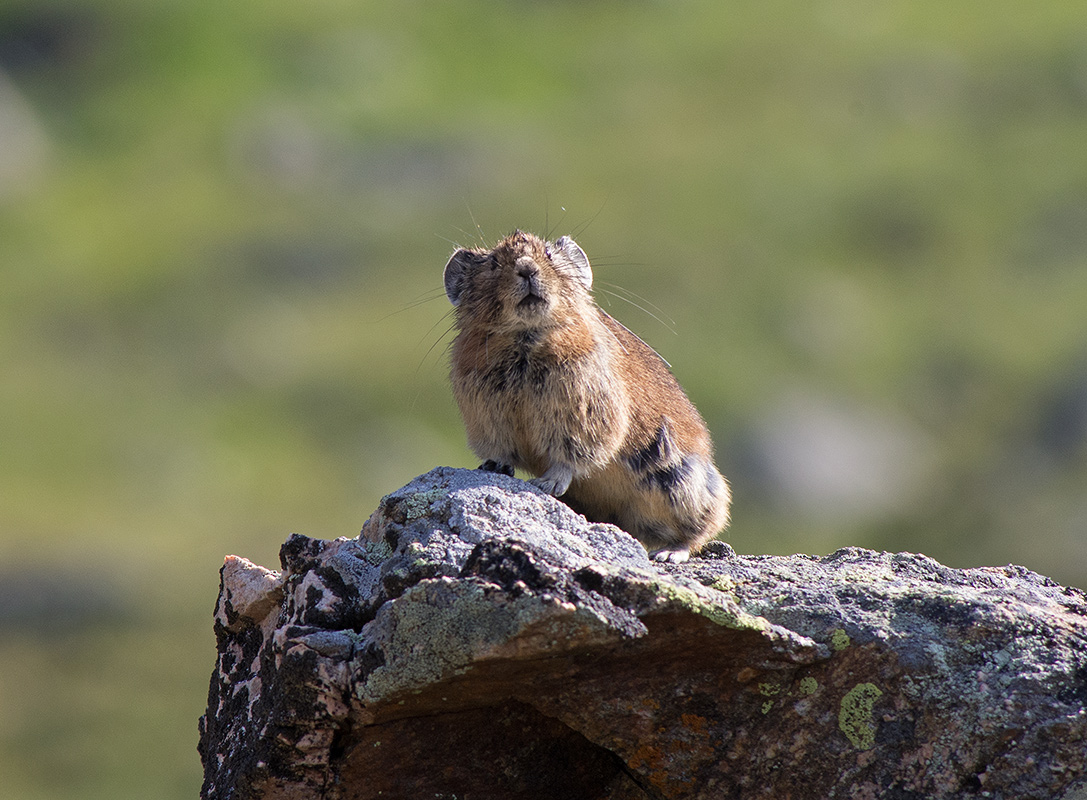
(456, 275)
(578, 260)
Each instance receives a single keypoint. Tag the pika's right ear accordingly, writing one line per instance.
(456, 275)
(578, 260)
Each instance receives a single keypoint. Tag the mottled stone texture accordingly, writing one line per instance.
(480, 640)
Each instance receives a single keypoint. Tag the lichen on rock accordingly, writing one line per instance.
(855, 718)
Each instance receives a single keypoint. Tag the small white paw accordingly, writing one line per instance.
(671, 555)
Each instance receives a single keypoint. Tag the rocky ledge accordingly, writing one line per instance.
(481, 640)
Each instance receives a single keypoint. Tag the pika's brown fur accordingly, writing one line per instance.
(549, 383)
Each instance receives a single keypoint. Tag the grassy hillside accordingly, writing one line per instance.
(858, 233)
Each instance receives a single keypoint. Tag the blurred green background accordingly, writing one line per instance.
(857, 230)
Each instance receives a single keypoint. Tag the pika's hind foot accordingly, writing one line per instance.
(671, 555)
(490, 465)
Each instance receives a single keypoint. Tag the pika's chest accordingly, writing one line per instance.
(526, 368)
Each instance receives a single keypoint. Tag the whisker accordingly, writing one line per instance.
(636, 336)
(580, 229)
(667, 322)
(618, 341)
(617, 261)
(426, 355)
(628, 293)
(443, 318)
(551, 229)
(437, 341)
(479, 230)
(428, 297)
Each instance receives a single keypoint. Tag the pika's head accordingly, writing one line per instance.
(524, 282)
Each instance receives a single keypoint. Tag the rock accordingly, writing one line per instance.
(481, 640)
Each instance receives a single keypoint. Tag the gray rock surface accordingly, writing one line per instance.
(481, 640)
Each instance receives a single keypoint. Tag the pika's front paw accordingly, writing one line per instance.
(490, 465)
(555, 488)
(555, 481)
(671, 555)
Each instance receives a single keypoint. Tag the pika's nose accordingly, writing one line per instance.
(527, 269)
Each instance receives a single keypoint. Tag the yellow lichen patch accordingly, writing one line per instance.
(769, 689)
(767, 706)
(839, 639)
(808, 685)
(855, 715)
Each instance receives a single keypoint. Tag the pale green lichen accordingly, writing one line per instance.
(420, 560)
(839, 639)
(375, 553)
(727, 616)
(418, 504)
(435, 629)
(808, 685)
(440, 628)
(767, 706)
(769, 689)
(855, 715)
(723, 584)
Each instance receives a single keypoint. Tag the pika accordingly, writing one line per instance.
(549, 383)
